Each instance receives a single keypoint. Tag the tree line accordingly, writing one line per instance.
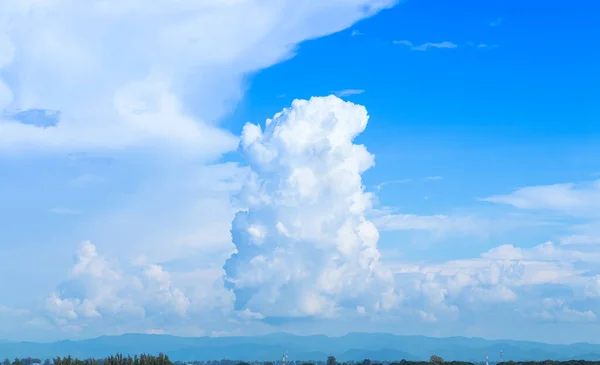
(550, 362)
(118, 359)
(162, 359)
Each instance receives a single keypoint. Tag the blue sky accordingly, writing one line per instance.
(474, 213)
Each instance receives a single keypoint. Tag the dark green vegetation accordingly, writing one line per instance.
(384, 348)
(550, 362)
(111, 360)
(331, 360)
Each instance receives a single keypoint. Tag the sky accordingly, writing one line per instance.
(243, 167)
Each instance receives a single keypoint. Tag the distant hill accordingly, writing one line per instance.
(353, 346)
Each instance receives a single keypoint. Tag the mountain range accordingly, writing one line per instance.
(353, 346)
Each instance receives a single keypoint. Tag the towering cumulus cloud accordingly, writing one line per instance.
(304, 246)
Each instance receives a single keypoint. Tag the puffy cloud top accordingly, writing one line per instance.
(304, 246)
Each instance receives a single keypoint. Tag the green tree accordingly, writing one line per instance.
(366, 362)
(331, 360)
(436, 360)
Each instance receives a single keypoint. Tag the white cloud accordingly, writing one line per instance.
(580, 239)
(498, 293)
(504, 252)
(101, 290)
(184, 214)
(556, 310)
(577, 204)
(349, 92)
(435, 295)
(169, 296)
(407, 222)
(572, 199)
(504, 274)
(428, 45)
(257, 233)
(248, 314)
(319, 253)
(15, 312)
(592, 287)
(427, 317)
(155, 331)
(95, 287)
(129, 73)
(380, 186)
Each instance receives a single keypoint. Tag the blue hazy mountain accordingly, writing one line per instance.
(353, 346)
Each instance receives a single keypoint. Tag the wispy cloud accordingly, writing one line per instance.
(356, 32)
(482, 45)
(404, 42)
(580, 240)
(496, 22)
(380, 186)
(13, 311)
(426, 46)
(64, 211)
(349, 92)
(410, 222)
(571, 199)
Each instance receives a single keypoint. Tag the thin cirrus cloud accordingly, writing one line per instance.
(572, 199)
(348, 92)
(428, 45)
(578, 204)
(380, 186)
(441, 45)
(412, 222)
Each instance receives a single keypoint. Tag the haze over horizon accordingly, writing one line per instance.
(378, 347)
(244, 167)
